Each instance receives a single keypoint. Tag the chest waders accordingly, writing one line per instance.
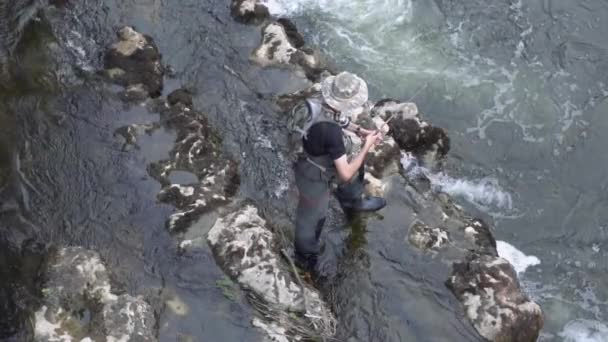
(314, 178)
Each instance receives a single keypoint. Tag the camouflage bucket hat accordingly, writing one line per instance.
(344, 92)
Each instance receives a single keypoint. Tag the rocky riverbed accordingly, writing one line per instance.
(220, 193)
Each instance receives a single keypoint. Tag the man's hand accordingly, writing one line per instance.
(372, 139)
(364, 132)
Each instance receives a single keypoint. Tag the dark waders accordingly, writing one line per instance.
(314, 176)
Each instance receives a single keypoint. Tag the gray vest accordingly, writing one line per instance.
(316, 113)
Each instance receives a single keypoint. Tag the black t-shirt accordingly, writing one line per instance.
(325, 138)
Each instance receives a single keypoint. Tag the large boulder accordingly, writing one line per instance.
(135, 63)
(282, 46)
(78, 303)
(411, 132)
(248, 251)
(494, 301)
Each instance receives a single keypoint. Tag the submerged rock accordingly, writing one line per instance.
(249, 11)
(135, 63)
(281, 47)
(425, 237)
(79, 304)
(248, 251)
(493, 299)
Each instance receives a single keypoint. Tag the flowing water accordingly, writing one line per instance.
(521, 88)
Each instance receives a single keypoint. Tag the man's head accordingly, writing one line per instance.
(346, 93)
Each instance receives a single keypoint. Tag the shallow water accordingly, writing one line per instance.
(521, 89)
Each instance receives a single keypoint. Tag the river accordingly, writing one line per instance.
(520, 87)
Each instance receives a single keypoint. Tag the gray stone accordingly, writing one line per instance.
(278, 49)
(134, 60)
(247, 250)
(411, 132)
(249, 11)
(78, 286)
(198, 151)
(427, 238)
(493, 300)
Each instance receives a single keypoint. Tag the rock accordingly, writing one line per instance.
(182, 95)
(246, 249)
(135, 93)
(295, 38)
(493, 300)
(249, 11)
(135, 60)
(198, 150)
(279, 48)
(77, 285)
(411, 132)
(286, 102)
(426, 238)
(374, 186)
(274, 332)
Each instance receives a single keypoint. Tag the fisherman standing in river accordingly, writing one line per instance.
(325, 160)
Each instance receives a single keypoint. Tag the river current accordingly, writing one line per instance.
(520, 87)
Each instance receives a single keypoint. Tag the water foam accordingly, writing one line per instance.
(485, 193)
(387, 44)
(517, 258)
(364, 10)
(582, 330)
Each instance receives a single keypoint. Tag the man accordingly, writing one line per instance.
(325, 160)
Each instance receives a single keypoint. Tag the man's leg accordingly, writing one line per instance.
(351, 195)
(310, 216)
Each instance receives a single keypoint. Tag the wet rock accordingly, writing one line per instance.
(182, 95)
(427, 238)
(295, 38)
(411, 132)
(383, 159)
(374, 186)
(279, 49)
(134, 61)
(249, 11)
(248, 251)
(198, 150)
(79, 304)
(130, 133)
(135, 93)
(274, 332)
(493, 300)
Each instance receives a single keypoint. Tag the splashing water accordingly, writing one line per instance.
(517, 258)
(583, 330)
(397, 45)
(484, 193)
